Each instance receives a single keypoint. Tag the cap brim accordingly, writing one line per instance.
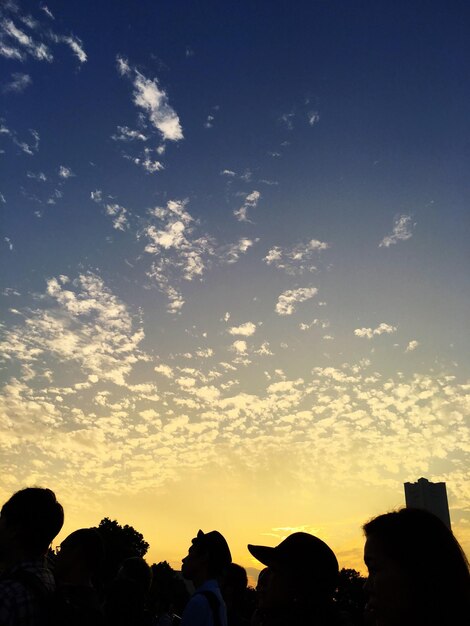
(264, 554)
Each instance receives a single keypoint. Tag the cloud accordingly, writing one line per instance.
(229, 173)
(29, 148)
(231, 253)
(39, 176)
(19, 82)
(381, 329)
(151, 98)
(288, 300)
(118, 213)
(47, 12)
(127, 134)
(163, 369)
(158, 117)
(288, 120)
(412, 346)
(85, 324)
(313, 118)
(77, 47)
(34, 39)
(245, 330)
(402, 228)
(297, 259)
(251, 201)
(65, 172)
(240, 346)
(177, 252)
(19, 43)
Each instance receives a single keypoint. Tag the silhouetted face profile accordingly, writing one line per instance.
(388, 587)
(193, 562)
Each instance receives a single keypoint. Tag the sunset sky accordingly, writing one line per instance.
(235, 263)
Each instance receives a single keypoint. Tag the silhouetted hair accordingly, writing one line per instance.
(424, 547)
(38, 516)
(236, 578)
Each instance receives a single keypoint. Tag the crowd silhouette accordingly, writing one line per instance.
(418, 576)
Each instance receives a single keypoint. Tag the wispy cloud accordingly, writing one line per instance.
(32, 39)
(381, 329)
(402, 230)
(251, 201)
(232, 252)
(18, 83)
(288, 300)
(297, 259)
(27, 147)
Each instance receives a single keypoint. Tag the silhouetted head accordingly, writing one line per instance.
(234, 584)
(81, 554)
(29, 521)
(418, 573)
(208, 557)
(301, 569)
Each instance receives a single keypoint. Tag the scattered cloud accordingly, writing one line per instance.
(288, 300)
(297, 259)
(177, 252)
(251, 201)
(381, 329)
(402, 230)
(119, 215)
(412, 345)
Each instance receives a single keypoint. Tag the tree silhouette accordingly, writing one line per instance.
(121, 542)
(350, 594)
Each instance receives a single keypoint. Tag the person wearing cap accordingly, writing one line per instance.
(207, 559)
(299, 583)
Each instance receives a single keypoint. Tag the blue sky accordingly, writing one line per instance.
(235, 251)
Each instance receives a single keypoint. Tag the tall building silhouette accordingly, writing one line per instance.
(429, 496)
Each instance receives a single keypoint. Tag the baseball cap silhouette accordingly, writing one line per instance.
(302, 554)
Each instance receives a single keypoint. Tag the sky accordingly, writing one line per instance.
(235, 264)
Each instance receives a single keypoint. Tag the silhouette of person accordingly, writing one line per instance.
(418, 573)
(234, 588)
(298, 584)
(76, 569)
(29, 521)
(207, 559)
